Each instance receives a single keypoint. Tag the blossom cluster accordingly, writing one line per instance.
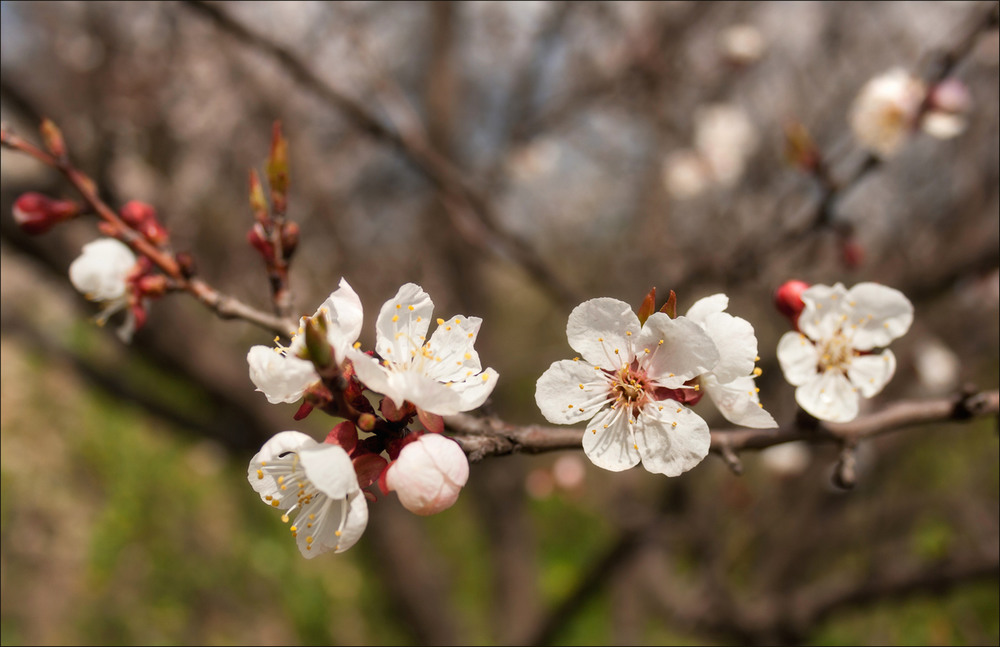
(321, 485)
(633, 380)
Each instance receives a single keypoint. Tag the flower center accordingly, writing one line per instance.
(630, 387)
(311, 506)
(836, 353)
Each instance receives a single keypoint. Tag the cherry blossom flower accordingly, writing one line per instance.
(441, 375)
(283, 373)
(429, 474)
(316, 483)
(730, 384)
(101, 273)
(834, 360)
(628, 383)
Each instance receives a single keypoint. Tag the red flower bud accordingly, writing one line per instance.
(257, 238)
(142, 217)
(788, 299)
(289, 239)
(36, 213)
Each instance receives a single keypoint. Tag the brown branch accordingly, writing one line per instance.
(463, 200)
(481, 437)
(226, 307)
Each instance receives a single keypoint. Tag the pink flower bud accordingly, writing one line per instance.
(142, 217)
(788, 299)
(36, 213)
(429, 474)
(951, 96)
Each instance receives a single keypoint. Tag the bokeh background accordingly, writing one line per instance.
(514, 159)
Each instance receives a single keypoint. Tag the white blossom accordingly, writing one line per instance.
(441, 375)
(886, 110)
(625, 383)
(429, 474)
(730, 384)
(835, 359)
(315, 483)
(100, 273)
(282, 373)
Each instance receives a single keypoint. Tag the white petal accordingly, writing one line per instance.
(559, 395)
(280, 378)
(402, 324)
(702, 308)
(829, 396)
(608, 441)
(101, 269)
(674, 350)
(285, 441)
(474, 390)
(372, 374)
(344, 316)
(599, 326)
(671, 442)
(824, 308)
(881, 314)
(429, 474)
(738, 401)
(798, 358)
(337, 524)
(737, 345)
(357, 520)
(329, 468)
(424, 392)
(870, 373)
(451, 349)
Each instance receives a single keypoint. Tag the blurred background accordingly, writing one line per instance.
(514, 159)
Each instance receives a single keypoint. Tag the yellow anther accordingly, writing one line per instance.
(635, 446)
(294, 528)
(594, 431)
(440, 321)
(647, 351)
(697, 387)
(277, 339)
(395, 318)
(470, 335)
(581, 386)
(679, 410)
(600, 339)
(605, 426)
(758, 372)
(659, 343)
(447, 327)
(756, 359)
(312, 517)
(309, 539)
(337, 533)
(410, 308)
(671, 375)
(760, 404)
(398, 306)
(628, 333)
(268, 497)
(357, 345)
(458, 320)
(886, 324)
(468, 356)
(616, 351)
(274, 503)
(569, 406)
(284, 518)
(485, 377)
(260, 474)
(419, 319)
(661, 408)
(673, 424)
(576, 359)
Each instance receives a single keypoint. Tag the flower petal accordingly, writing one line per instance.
(344, 316)
(571, 391)
(451, 349)
(337, 524)
(402, 324)
(101, 269)
(824, 306)
(738, 401)
(280, 443)
(330, 469)
(672, 439)
(280, 378)
(426, 393)
(473, 390)
(829, 396)
(737, 345)
(608, 441)
(870, 373)
(798, 358)
(372, 374)
(599, 326)
(702, 308)
(674, 350)
(881, 314)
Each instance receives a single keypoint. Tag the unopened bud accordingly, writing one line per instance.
(320, 351)
(289, 239)
(951, 96)
(186, 264)
(852, 253)
(36, 213)
(142, 217)
(788, 299)
(257, 238)
(154, 285)
(800, 150)
(277, 169)
(258, 203)
(53, 139)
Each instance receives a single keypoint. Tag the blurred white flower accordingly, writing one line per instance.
(787, 459)
(730, 384)
(742, 44)
(938, 367)
(316, 483)
(834, 360)
(886, 110)
(442, 375)
(101, 274)
(282, 373)
(429, 474)
(724, 139)
(626, 385)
